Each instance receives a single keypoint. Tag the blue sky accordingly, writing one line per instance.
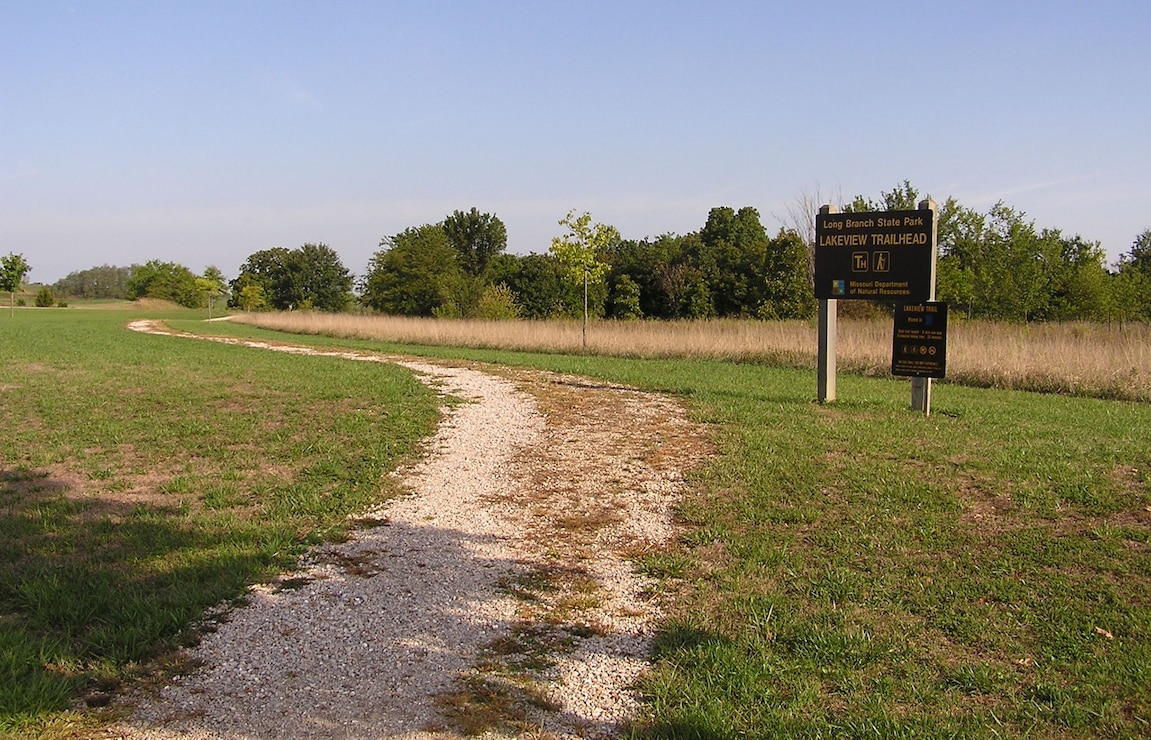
(200, 132)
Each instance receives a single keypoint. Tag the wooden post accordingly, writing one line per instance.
(921, 387)
(585, 270)
(828, 320)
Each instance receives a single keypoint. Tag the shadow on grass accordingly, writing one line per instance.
(93, 586)
(383, 632)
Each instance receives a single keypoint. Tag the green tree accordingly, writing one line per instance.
(498, 303)
(645, 263)
(104, 282)
(252, 298)
(539, 284)
(212, 286)
(625, 299)
(476, 237)
(684, 284)
(903, 197)
(416, 273)
(960, 231)
(787, 290)
(271, 270)
(1137, 259)
(320, 278)
(1081, 285)
(578, 251)
(732, 254)
(166, 281)
(1012, 266)
(45, 298)
(311, 276)
(13, 269)
(1131, 288)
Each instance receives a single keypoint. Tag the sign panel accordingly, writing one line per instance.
(881, 255)
(919, 341)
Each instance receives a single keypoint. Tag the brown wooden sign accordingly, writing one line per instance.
(879, 255)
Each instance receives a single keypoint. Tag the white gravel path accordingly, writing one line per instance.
(383, 627)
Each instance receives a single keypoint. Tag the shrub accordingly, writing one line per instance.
(497, 302)
(44, 298)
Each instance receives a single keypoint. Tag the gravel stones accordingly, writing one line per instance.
(536, 480)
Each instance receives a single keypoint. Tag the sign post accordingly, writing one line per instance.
(881, 256)
(828, 329)
(921, 386)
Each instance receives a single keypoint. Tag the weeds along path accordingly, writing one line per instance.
(499, 597)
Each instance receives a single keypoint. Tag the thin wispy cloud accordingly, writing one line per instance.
(1028, 187)
(302, 97)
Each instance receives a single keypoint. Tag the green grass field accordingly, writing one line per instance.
(849, 570)
(144, 479)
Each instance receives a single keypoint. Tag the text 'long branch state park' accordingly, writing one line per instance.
(884, 255)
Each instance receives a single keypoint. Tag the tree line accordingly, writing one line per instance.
(999, 265)
(995, 264)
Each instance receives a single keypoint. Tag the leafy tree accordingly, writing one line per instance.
(1137, 259)
(644, 262)
(538, 283)
(625, 299)
(13, 269)
(1081, 285)
(415, 274)
(167, 281)
(578, 252)
(212, 285)
(960, 232)
(903, 197)
(476, 237)
(497, 303)
(733, 247)
(686, 291)
(1131, 287)
(999, 265)
(103, 282)
(698, 303)
(320, 278)
(1011, 265)
(787, 292)
(311, 276)
(1130, 296)
(271, 271)
(252, 298)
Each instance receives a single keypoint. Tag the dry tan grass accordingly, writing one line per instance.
(1079, 359)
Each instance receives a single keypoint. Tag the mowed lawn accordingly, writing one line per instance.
(859, 570)
(145, 479)
(849, 570)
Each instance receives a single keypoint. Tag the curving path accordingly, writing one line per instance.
(498, 597)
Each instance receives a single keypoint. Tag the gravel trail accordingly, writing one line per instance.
(497, 598)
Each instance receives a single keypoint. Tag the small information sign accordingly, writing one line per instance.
(919, 341)
(879, 256)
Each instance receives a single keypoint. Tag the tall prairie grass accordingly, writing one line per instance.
(1070, 358)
